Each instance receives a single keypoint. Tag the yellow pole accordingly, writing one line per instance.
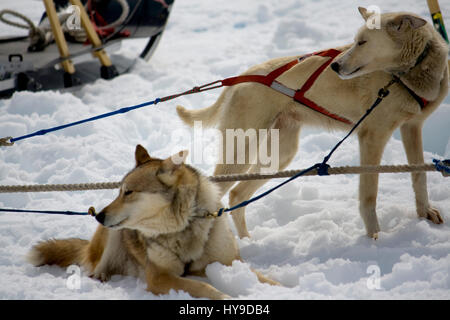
(92, 35)
(434, 6)
(438, 20)
(59, 36)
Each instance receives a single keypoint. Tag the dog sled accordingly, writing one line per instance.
(77, 42)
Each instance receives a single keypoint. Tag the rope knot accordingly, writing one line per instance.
(6, 142)
(443, 166)
(92, 211)
(215, 214)
(322, 169)
(383, 93)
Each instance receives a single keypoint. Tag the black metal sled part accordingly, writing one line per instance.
(25, 68)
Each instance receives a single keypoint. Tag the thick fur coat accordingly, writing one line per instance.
(156, 229)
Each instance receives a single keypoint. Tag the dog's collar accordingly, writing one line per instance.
(419, 60)
(202, 213)
(423, 55)
(421, 101)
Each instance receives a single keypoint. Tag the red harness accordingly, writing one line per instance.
(299, 95)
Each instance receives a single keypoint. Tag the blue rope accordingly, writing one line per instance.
(69, 213)
(101, 116)
(262, 195)
(322, 168)
(10, 141)
(442, 165)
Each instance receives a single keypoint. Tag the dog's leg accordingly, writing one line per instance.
(224, 169)
(159, 282)
(243, 191)
(371, 147)
(112, 258)
(412, 141)
(288, 143)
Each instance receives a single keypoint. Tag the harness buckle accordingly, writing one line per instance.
(215, 214)
(92, 211)
(383, 93)
(443, 166)
(322, 169)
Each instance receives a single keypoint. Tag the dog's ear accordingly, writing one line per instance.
(364, 13)
(406, 22)
(141, 155)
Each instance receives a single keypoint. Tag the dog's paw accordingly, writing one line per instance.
(373, 229)
(433, 215)
(225, 297)
(373, 235)
(101, 276)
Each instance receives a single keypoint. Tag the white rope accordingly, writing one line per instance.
(80, 34)
(43, 32)
(29, 24)
(226, 178)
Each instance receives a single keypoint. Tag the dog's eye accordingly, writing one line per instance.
(127, 193)
(360, 43)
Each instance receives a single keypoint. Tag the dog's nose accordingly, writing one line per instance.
(100, 217)
(336, 67)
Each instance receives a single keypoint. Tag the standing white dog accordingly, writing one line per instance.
(405, 46)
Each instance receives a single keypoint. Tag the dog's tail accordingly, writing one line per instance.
(58, 252)
(208, 116)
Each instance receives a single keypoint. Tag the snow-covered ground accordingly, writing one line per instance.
(308, 236)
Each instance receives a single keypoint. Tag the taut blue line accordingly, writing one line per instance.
(105, 115)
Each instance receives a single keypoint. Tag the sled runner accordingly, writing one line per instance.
(77, 42)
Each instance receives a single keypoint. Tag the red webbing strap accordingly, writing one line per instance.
(300, 94)
(332, 53)
(270, 78)
(241, 79)
(265, 80)
(312, 105)
(421, 101)
(278, 72)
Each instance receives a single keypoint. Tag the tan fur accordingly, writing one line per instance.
(366, 65)
(156, 229)
(60, 252)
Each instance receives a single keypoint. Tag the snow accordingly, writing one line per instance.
(308, 236)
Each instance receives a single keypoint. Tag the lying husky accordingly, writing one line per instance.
(157, 228)
(405, 46)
